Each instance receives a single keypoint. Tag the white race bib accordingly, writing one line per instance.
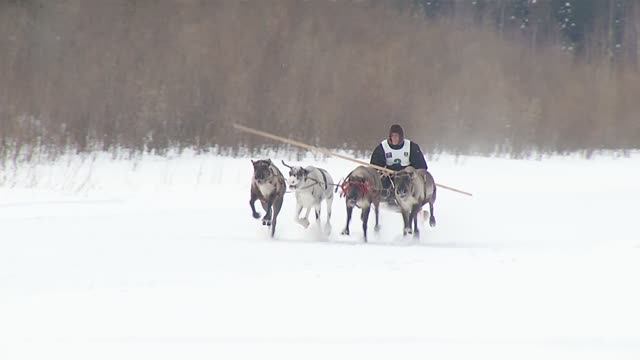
(400, 156)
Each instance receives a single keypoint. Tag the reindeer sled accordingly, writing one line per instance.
(411, 189)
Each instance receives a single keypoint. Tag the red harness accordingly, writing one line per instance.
(347, 185)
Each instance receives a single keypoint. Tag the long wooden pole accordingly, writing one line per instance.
(327, 152)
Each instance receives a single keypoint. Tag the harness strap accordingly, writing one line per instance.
(324, 177)
(315, 182)
(363, 186)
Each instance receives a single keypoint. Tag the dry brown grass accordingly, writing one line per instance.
(140, 75)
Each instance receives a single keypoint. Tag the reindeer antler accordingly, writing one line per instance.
(285, 164)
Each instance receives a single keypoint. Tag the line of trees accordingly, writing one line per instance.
(504, 76)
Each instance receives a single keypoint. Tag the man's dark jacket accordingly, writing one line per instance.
(415, 157)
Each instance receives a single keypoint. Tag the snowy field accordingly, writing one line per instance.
(159, 258)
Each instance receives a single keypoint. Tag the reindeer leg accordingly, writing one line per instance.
(252, 202)
(414, 215)
(349, 213)
(327, 228)
(432, 218)
(305, 221)
(266, 220)
(376, 213)
(432, 200)
(318, 209)
(365, 220)
(297, 218)
(407, 223)
(276, 210)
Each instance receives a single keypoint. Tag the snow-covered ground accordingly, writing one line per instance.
(159, 258)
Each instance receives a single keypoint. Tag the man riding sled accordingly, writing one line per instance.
(396, 153)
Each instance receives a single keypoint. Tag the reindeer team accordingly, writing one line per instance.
(398, 176)
(361, 188)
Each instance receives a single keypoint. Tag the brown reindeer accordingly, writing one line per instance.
(414, 188)
(267, 185)
(361, 188)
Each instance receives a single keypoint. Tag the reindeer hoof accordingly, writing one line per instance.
(376, 228)
(432, 221)
(303, 222)
(407, 232)
(266, 222)
(416, 234)
(256, 215)
(345, 232)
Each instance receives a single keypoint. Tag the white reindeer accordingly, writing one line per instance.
(312, 185)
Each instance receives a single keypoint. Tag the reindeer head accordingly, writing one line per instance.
(354, 189)
(297, 175)
(262, 170)
(403, 181)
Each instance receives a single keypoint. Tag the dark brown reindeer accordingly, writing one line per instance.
(413, 189)
(267, 185)
(361, 188)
